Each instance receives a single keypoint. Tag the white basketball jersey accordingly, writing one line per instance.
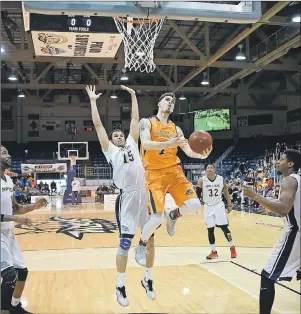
(213, 190)
(293, 216)
(7, 190)
(128, 171)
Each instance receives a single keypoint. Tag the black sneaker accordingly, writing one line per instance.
(121, 296)
(148, 285)
(18, 309)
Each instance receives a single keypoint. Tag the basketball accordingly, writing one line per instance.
(200, 141)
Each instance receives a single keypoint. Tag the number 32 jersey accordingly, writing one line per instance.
(128, 171)
(213, 190)
(160, 159)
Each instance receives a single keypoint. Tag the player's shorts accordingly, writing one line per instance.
(169, 180)
(284, 260)
(11, 254)
(215, 215)
(131, 209)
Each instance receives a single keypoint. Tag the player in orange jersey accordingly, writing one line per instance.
(160, 139)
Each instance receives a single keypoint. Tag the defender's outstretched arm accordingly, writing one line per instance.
(100, 130)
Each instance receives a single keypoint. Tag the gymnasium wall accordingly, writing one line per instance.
(111, 110)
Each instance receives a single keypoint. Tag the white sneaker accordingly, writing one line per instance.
(149, 289)
(141, 254)
(121, 296)
(170, 224)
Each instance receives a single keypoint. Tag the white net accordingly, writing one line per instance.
(139, 37)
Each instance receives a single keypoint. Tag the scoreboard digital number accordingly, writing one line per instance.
(79, 24)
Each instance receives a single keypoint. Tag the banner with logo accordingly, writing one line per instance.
(44, 168)
(76, 44)
(55, 125)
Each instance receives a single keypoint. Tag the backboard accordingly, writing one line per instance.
(68, 149)
(217, 11)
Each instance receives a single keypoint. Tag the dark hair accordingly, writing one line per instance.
(295, 157)
(167, 94)
(213, 165)
(111, 134)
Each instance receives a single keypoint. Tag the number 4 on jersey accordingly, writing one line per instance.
(162, 152)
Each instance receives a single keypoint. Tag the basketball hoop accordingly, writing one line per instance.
(73, 160)
(139, 37)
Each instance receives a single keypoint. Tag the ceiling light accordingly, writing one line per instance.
(113, 95)
(124, 77)
(240, 55)
(12, 77)
(205, 80)
(296, 18)
(182, 97)
(2, 49)
(21, 95)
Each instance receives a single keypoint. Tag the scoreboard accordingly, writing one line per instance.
(72, 35)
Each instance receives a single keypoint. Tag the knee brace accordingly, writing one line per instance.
(211, 236)
(124, 246)
(10, 277)
(190, 206)
(22, 273)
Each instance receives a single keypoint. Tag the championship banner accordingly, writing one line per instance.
(55, 125)
(44, 168)
(76, 44)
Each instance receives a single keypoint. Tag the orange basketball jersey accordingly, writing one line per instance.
(155, 159)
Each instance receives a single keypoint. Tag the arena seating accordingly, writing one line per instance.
(251, 150)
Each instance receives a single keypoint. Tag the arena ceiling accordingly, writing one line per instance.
(184, 51)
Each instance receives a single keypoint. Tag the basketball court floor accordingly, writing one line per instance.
(71, 257)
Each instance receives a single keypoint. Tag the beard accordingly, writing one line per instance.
(5, 164)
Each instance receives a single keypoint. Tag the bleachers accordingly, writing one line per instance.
(251, 150)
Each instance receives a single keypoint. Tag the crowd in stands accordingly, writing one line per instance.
(264, 178)
(26, 186)
(102, 190)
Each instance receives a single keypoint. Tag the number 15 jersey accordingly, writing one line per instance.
(213, 190)
(128, 171)
(160, 159)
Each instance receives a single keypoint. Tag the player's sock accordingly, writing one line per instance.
(213, 248)
(15, 301)
(267, 295)
(120, 280)
(148, 274)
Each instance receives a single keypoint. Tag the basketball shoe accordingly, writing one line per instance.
(233, 252)
(121, 296)
(149, 289)
(18, 309)
(212, 255)
(170, 224)
(140, 254)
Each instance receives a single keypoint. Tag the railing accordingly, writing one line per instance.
(226, 153)
(88, 172)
